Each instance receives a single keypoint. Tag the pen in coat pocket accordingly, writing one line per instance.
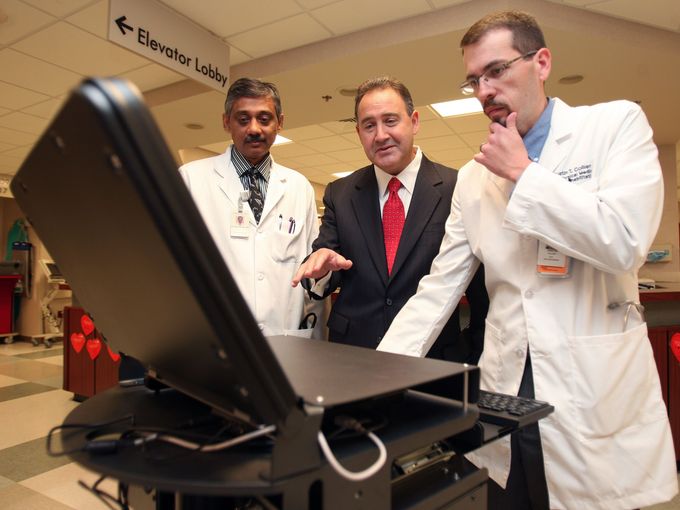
(280, 221)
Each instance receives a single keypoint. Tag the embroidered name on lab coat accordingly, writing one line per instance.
(577, 173)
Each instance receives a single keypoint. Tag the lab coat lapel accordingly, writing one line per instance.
(367, 211)
(425, 199)
(557, 146)
(227, 178)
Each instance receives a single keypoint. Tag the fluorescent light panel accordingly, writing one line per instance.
(342, 174)
(282, 140)
(458, 107)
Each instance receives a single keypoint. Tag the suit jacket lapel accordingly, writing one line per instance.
(424, 201)
(367, 211)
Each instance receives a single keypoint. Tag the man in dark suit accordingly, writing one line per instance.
(381, 228)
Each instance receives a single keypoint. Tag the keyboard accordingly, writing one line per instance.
(510, 411)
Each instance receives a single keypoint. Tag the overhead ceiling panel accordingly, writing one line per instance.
(34, 74)
(22, 20)
(75, 49)
(292, 32)
(351, 15)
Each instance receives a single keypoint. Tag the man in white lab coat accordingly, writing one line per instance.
(561, 205)
(261, 215)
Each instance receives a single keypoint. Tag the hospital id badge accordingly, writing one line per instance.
(551, 263)
(239, 225)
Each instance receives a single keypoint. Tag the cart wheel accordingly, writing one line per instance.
(48, 343)
(35, 342)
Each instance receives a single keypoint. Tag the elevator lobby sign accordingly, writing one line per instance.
(152, 30)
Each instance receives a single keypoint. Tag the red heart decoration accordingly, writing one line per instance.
(675, 345)
(87, 324)
(77, 341)
(93, 346)
(114, 355)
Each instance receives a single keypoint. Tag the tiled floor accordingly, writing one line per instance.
(31, 402)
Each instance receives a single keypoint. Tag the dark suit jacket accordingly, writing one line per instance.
(369, 299)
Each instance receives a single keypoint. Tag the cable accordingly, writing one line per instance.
(217, 446)
(350, 475)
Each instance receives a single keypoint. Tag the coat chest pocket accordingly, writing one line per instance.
(285, 247)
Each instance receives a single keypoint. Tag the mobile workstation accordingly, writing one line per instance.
(227, 418)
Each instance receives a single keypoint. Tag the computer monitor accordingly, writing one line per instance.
(104, 195)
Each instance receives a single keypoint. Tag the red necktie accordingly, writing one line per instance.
(393, 222)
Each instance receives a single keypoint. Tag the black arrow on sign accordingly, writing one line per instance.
(122, 25)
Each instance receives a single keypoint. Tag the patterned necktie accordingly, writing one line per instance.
(255, 199)
(393, 222)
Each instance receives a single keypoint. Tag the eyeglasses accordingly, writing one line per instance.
(495, 72)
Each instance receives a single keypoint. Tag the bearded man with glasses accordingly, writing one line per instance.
(561, 205)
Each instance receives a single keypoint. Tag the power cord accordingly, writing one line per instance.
(354, 476)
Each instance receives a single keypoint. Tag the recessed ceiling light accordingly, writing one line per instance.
(193, 125)
(342, 174)
(457, 107)
(571, 79)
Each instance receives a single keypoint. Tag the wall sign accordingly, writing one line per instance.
(152, 30)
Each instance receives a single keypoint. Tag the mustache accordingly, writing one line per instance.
(254, 138)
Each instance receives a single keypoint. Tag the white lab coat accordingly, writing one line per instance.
(263, 262)
(608, 444)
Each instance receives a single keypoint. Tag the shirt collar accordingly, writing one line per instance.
(242, 165)
(535, 139)
(407, 176)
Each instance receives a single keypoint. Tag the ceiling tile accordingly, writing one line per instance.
(353, 139)
(18, 153)
(353, 15)
(292, 32)
(316, 160)
(218, 148)
(340, 127)
(22, 20)
(474, 140)
(329, 144)
(349, 156)
(663, 13)
(426, 113)
(468, 123)
(46, 109)
(14, 97)
(334, 168)
(94, 19)
(25, 71)
(313, 4)
(236, 56)
(16, 137)
(306, 133)
(23, 122)
(59, 8)
(61, 43)
(441, 143)
(229, 18)
(453, 154)
(152, 76)
(445, 3)
(291, 150)
(432, 128)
